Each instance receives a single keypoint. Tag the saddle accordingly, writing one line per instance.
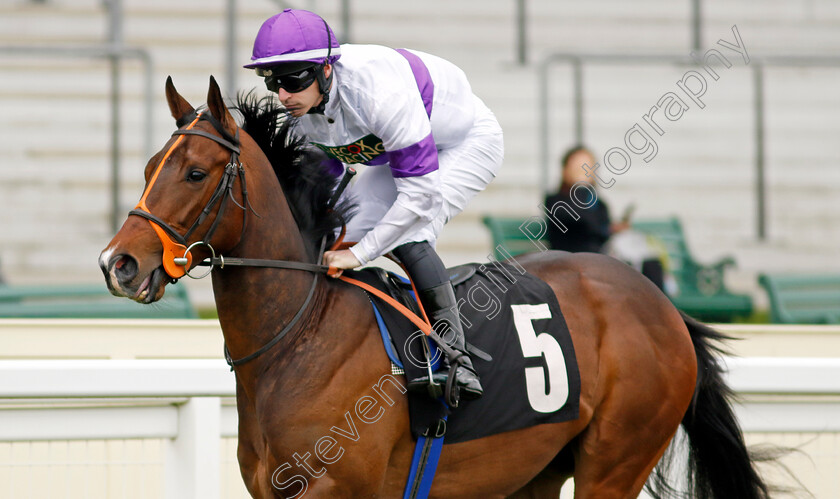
(529, 371)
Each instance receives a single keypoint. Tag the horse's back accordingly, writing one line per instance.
(592, 289)
(590, 273)
(608, 303)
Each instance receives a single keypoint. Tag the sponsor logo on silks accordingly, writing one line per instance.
(362, 151)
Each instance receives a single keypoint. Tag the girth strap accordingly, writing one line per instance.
(424, 463)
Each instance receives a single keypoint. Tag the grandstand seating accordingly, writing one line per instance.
(803, 298)
(701, 291)
(85, 301)
(55, 131)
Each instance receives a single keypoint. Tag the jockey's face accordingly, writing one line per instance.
(299, 103)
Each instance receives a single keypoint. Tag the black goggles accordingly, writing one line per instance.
(290, 82)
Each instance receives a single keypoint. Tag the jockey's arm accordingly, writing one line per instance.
(397, 115)
(418, 202)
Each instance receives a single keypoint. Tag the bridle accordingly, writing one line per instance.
(177, 257)
(175, 244)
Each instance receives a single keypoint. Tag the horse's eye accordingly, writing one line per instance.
(196, 176)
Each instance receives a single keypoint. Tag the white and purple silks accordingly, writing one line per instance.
(430, 144)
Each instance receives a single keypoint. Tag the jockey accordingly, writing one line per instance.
(430, 143)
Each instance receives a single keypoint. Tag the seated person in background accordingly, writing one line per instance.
(593, 228)
(592, 231)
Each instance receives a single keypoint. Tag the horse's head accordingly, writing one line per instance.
(194, 197)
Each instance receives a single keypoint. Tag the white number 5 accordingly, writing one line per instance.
(534, 345)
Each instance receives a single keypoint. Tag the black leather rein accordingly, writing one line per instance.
(221, 195)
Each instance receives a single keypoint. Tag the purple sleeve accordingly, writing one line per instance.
(415, 160)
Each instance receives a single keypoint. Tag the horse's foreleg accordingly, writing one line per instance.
(546, 485)
(250, 455)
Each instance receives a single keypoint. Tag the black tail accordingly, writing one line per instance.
(719, 464)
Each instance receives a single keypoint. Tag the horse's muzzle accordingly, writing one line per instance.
(119, 272)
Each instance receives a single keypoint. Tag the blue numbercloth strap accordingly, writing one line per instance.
(427, 450)
(386, 337)
(426, 455)
(386, 340)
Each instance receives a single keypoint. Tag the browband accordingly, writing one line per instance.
(227, 140)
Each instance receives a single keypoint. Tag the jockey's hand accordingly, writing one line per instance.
(341, 259)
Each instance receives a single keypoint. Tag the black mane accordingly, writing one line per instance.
(300, 169)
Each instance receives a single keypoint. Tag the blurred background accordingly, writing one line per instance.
(742, 200)
(752, 174)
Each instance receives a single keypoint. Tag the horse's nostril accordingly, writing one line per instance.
(125, 268)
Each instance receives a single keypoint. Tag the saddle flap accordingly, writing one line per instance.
(462, 273)
(457, 275)
(515, 317)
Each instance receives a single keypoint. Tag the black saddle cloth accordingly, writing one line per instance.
(533, 376)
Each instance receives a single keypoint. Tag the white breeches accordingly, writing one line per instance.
(465, 170)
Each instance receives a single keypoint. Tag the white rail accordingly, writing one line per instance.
(116, 378)
(179, 400)
(799, 393)
(182, 401)
(212, 377)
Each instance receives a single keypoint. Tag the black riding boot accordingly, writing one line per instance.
(438, 298)
(442, 308)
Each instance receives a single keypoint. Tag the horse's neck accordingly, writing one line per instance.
(255, 303)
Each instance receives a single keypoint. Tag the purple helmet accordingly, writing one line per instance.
(294, 36)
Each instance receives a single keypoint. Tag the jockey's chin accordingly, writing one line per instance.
(297, 112)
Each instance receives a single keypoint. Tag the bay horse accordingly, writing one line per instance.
(645, 368)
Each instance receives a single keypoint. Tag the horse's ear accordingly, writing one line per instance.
(178, 106)
(217, 107)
